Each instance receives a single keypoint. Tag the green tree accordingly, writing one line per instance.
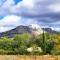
(21, 43)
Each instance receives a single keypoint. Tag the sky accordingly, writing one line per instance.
(45, 13)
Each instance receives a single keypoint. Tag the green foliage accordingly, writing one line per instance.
(49, 44)
(56, 48)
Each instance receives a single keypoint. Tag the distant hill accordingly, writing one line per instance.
(49, 30)
(26, 29)
(18, 30)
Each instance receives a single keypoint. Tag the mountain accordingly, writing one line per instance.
(49, 30)
(31, 29)
(18, 30)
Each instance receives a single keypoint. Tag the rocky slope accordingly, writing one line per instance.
(31, 29)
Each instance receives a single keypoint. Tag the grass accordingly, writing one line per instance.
(24, 57)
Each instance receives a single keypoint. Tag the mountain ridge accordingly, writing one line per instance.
(26, 29)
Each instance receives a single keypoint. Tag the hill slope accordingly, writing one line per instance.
(26, 29)
(17, 30)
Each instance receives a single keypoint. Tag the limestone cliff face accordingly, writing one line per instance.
(36, 29)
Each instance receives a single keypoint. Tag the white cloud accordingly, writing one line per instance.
(55, 7)
(8, 4)
(57, 22)
(3, 29)
(25, 6)
(55, 28)
(31, 8)
(10, 20)
(35, 7)
(5, 7)
(28, 3)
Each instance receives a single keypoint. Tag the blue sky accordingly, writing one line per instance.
(17, 1)
(45, 13)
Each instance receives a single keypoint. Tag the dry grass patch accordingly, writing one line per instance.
(19, 57)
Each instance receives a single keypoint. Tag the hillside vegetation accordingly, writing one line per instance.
(26, 44)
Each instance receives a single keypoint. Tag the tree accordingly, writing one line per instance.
(21, 42)
(56, 48)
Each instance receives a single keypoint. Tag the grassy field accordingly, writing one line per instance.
(19, 57)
